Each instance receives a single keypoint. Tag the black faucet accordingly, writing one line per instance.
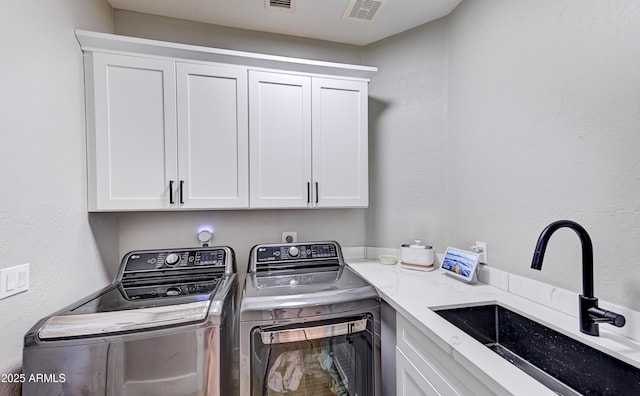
(590, 314)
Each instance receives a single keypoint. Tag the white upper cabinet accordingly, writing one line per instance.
(340, 143)
(280, 136)
(212, 137)
(173, 126)
(132, 139)
(166, 135)
(308, 141)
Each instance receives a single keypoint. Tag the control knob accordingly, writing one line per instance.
(293, 251)
(173, 291)
(172, 259)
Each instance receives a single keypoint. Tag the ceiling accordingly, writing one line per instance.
(317, 19)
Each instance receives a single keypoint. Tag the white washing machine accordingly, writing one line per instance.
(165, 326)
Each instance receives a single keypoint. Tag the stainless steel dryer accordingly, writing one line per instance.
(165, 326)
(309, 325)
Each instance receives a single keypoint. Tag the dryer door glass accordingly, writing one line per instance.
(329, 357)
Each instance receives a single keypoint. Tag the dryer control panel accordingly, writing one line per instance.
(295, 256)
(296, 252)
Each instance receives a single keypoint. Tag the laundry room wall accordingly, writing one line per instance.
(544, 124)
(505, 116)
(135, 24)
(408, 138)
(239, 229)
(43, 213)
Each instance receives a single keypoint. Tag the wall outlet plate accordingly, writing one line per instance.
(289, 236)
(481, 249)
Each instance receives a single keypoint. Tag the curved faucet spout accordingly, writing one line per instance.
(587, 251)
(590, 314)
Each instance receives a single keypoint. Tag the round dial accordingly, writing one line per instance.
(172, 259)
(173, 291)
(293, 251)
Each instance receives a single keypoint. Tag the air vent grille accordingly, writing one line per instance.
(363, 10)
(283, 5)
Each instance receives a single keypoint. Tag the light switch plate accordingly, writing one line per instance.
(14, 280)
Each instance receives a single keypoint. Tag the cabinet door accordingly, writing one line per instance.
(212, 137)
(280, 140)
(132, 133)
(409, 381)
(340, 143)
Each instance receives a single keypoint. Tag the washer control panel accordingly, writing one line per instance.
(173, 290)
(267, 253)
(176, 259)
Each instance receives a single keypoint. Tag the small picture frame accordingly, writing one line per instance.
(461, 264)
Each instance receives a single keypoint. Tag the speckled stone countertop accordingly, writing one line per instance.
(413, 294)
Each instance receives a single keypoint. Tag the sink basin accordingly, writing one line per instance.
(561, 363)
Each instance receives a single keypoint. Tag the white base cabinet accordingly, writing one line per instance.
(410, 381)
(423, 368)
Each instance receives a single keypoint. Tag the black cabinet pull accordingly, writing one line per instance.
(171, 192)
(316, 192)
(308, 192)
(181, 185)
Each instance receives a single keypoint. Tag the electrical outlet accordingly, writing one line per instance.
(481, 249)
(14, 280)
(289, 237)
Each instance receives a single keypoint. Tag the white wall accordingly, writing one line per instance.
(541, 107)
(129, 23)
(238, 229)
(544, 124)
(407, 138)
(43, 217)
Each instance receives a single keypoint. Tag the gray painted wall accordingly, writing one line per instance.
(43, 214)
(503, 117)
(544, 124)
(240, 229)
(156, 27)
(408, 138)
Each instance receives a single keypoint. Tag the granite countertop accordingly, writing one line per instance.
(414, 294)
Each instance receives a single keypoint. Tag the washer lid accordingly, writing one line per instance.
(65, 326)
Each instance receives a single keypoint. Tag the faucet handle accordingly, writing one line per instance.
(591, 316)
(599, 315)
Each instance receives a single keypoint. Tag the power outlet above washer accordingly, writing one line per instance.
(289, 236)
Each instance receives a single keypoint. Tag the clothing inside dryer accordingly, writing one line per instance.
(338, 365)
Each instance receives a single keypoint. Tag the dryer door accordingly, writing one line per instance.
(325, 357)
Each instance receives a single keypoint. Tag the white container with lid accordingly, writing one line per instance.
(417, 256)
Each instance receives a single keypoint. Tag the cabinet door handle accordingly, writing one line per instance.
(308, 192)
(181, 185)
(171, 192)
(316, 192)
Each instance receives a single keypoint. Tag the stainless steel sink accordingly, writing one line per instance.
(561, 363)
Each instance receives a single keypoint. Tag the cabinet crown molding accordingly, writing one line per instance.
(104, 42)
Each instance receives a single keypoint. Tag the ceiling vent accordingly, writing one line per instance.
(363, 10)
(280, 5)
